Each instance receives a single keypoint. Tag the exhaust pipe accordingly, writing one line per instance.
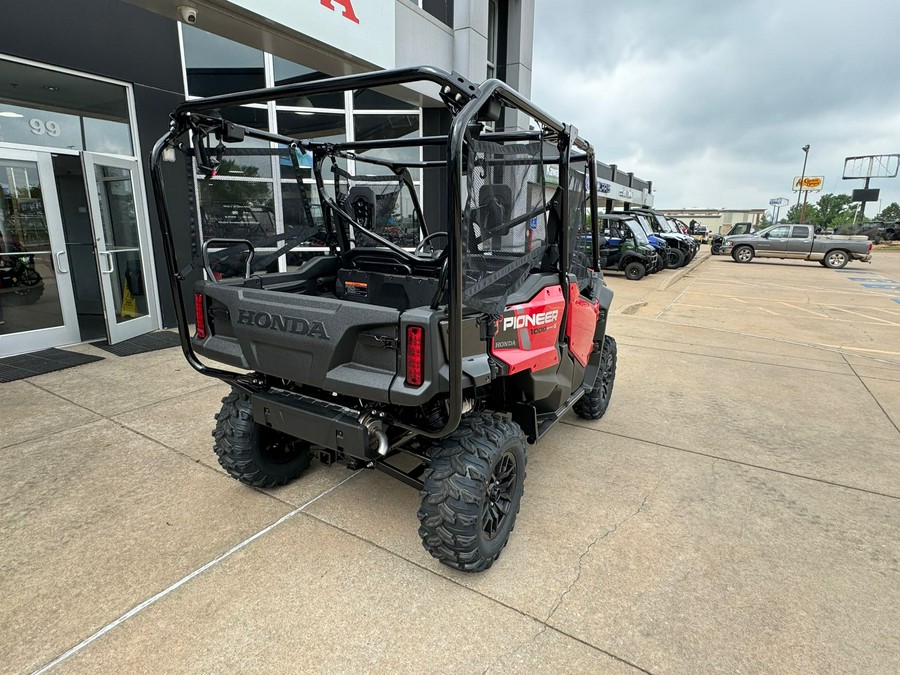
(383, 445)
(374, 426)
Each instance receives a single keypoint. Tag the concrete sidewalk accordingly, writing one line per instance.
(737, 509)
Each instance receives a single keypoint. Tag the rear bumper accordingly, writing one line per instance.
(318, 422)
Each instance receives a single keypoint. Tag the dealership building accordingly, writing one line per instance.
(86, 88)
(718, 221)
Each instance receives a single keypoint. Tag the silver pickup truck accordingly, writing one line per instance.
(797, 242)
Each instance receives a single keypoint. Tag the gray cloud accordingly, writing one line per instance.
(713, 101)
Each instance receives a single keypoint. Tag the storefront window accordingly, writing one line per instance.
(107, 136)
(295, 212)
(376, 127)
(287, 72)
(322, 127)
(31, 126)
(56, 110)
(234, 209)
(216, 65)
(243, 200)
(372, 99)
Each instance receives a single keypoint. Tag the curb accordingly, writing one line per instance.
(680, 274)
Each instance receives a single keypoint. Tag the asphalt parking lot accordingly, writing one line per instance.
(736, 510)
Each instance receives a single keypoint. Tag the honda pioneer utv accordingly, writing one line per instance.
(447, 355)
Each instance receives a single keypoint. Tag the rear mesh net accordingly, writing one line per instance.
(580, 243)
(504, 221)
(379, 203)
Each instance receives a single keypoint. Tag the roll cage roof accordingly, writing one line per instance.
(467, 102)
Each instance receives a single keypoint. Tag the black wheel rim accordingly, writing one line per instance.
(606, 376)
(499, 497)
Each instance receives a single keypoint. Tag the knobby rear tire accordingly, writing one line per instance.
(458, 517)
(253, 453)
(593, 405)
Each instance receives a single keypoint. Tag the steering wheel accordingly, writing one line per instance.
(420, 249)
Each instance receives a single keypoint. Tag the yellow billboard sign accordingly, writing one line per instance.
(810, 183)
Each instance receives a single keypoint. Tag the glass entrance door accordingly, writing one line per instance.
(37, 306)
(123, 246)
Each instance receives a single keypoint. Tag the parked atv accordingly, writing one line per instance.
(672, 250)
(626, 247)
(456, 354)
(661, 227)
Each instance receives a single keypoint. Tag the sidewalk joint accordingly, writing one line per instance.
(736, 461)
(874, 398)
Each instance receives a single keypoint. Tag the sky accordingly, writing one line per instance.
(713, 100)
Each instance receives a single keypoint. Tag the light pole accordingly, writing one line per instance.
(805, 149)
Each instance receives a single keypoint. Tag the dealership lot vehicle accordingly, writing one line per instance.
(456, 354)
(797, 242)
(673, 236)
(626, 248)
(718, 240)
(879, 231)
(674, 253)
(701, 234)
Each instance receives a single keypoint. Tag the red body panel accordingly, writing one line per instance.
(582, 324)
(527, 334)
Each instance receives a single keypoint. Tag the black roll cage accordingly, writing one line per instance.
(465, 101)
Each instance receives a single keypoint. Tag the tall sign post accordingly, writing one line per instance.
(866, 167)
(807, 184)
(776, 203)
(805, 149)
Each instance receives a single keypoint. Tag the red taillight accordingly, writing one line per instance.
(870, 247)
(201, 316)
(414, 355)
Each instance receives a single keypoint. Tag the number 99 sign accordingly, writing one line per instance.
(39, 127)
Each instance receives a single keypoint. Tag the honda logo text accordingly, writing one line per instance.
(285, 324)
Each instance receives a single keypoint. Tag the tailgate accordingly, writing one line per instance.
(323, 342)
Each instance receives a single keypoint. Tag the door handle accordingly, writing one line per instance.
(59, 268)
(109, 258)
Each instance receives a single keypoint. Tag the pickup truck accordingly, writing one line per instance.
(796, 242)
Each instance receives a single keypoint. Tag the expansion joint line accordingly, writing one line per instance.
(578, 569)
(874, 398)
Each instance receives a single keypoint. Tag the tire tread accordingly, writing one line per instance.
(461, 465)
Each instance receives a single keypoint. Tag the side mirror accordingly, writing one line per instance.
(766, 235)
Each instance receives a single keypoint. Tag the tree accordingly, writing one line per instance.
(793, 214)
(833, 207)
(829, 211)
(764, 221)
(890, 213)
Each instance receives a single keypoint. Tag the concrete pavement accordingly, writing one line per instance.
(737, 509)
